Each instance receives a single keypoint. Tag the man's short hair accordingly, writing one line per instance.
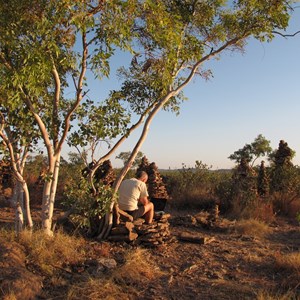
(141, 175)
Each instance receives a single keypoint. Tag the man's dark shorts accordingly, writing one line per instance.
(137, 213)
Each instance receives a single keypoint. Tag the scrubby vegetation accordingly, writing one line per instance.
(245, 192)
(251, 198)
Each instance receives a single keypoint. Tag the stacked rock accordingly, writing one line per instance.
(6, 178)
(144, 165)
(139, 233)
(156, 187)
(263, 183)
(105, 173)
(283, 155)
(154, 234)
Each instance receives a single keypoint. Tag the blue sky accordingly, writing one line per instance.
(254, 93)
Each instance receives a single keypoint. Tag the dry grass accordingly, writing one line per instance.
(289, 262)
(97, 289)
(51, 252)
(264, 295)
(259, 209)
(125, 282)
(252, 227)
(289, 266)
(10, 296)
(137, 269)
(197, 198)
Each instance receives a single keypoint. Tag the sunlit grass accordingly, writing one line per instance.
(289, 265)
(9, 296)
(137, 269)
(101, 288)
(289, 262)
(51, 252)
(252, 227)
(265, 295)
(122, 283)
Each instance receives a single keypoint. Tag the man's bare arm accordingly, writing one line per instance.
(144, 200)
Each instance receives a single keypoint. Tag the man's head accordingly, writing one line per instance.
(142, 176)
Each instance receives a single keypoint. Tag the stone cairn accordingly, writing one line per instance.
(105, 173)
(156, 187)
(283, 155)
(263, 184)
(6, 179)
(245, 178)
(138, 233)
(204, 219)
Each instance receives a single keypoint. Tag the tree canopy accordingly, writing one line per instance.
(251, 152)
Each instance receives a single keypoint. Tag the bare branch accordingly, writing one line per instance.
(286, 35)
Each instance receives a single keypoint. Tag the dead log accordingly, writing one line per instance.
(187, 237)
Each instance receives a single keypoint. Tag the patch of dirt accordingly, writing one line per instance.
(228, 266)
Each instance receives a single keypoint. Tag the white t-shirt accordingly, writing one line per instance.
(130, 191)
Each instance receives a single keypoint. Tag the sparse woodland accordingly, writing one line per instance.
(249, 246)
(62, 233)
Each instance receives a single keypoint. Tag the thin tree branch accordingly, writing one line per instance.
(79, 95)
(55, 104)
(286, 35)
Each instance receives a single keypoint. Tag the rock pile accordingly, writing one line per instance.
(156, 187)
(6, 178)
(283, 155)
(105, 173)
(263, 183)
(204, 219)
(139, 233)
(154, 234)
(123, 232)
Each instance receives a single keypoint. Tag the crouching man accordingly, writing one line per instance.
(133, 197)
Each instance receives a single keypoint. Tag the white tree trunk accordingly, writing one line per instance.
(46, 221)
(49, 194)
(17, 202)
(54, 188)
(29, 221)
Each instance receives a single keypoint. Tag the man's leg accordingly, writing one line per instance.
(149, 212)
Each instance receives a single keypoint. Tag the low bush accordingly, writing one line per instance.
(193, 187)
(252, 227)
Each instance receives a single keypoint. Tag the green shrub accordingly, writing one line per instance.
(193, 187)
(85, 204)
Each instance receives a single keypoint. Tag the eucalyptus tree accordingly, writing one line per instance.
(175, 41)
(124, 156)
(45, 45)
(177, 38)
(18, 142)
(251, 152)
